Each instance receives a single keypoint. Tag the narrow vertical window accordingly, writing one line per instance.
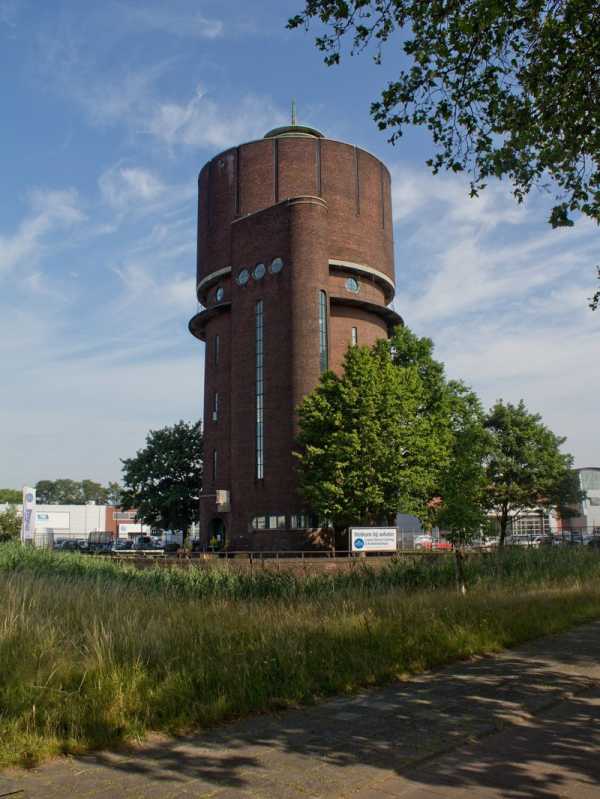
(214, 465)
(217, 349)
(323, 344)
(354, 336)
(215, 415)
(260, 390)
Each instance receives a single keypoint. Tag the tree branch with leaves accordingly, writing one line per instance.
(506, 90)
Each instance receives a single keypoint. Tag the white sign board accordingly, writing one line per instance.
(126, 530)
(373, 539)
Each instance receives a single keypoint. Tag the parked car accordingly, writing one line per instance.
(594, 542)
(143, 542)
(68, 545)
(422, 542)
(100, 541)
(428, 542)
(487, 543)
(525, 540)
(122, 546)
(549, 541)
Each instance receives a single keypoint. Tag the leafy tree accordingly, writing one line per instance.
(163, 481)
(526, 468)
(114, 494)
(94, 492)
(11, 495)
(44, 492)
(10, 524)
(59, 492)
(427, 457)
(506, 88)
(372, 439)
(68, 492)
(73, 492)
(462, 511)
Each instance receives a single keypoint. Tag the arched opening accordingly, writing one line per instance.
(216, 534)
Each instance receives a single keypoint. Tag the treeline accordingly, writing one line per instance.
(392, 434)
(11, 495)
(76, 492)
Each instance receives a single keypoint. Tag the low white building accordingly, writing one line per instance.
(70, 521)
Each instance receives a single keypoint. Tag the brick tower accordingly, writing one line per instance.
(295, 262)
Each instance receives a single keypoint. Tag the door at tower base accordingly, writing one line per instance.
(373, 539)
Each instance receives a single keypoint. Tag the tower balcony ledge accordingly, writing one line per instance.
(197, 323)
(389, 316)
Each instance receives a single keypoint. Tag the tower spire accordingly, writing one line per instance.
(293, 112)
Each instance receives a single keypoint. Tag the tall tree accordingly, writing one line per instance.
(94, 492)
(163, 481)
(462, 510)
(526, 468)
(45, 493)
(67, 492)
(427, 454)
(59, 492)
(507, 89)
(372, 439)
(114, 494)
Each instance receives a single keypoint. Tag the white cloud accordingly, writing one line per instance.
(172, 294)
(9, 11)
(414, 190)
(132, 97)
(503, 297)
(67, 62)
(50, 211)
(202, 122)
(167, 20)
(548, 360)
(126, 188)
(85, 391)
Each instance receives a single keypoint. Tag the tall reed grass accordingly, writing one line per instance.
(93, 654)
(521, 566)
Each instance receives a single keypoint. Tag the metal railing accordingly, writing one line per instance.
(408, 544)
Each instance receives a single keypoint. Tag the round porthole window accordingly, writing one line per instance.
(243, 277)
(352, 285)
(219, 294)
(276, 266)
(259, 271)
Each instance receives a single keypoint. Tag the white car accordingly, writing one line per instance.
(524, 540)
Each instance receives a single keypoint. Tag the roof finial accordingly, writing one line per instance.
(293, 112)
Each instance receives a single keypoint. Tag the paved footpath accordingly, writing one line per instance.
(524, 725)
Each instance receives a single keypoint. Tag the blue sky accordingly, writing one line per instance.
(108, 113)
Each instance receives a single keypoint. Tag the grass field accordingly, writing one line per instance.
(93, 654)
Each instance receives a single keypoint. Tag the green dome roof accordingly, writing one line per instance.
(294, 130)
